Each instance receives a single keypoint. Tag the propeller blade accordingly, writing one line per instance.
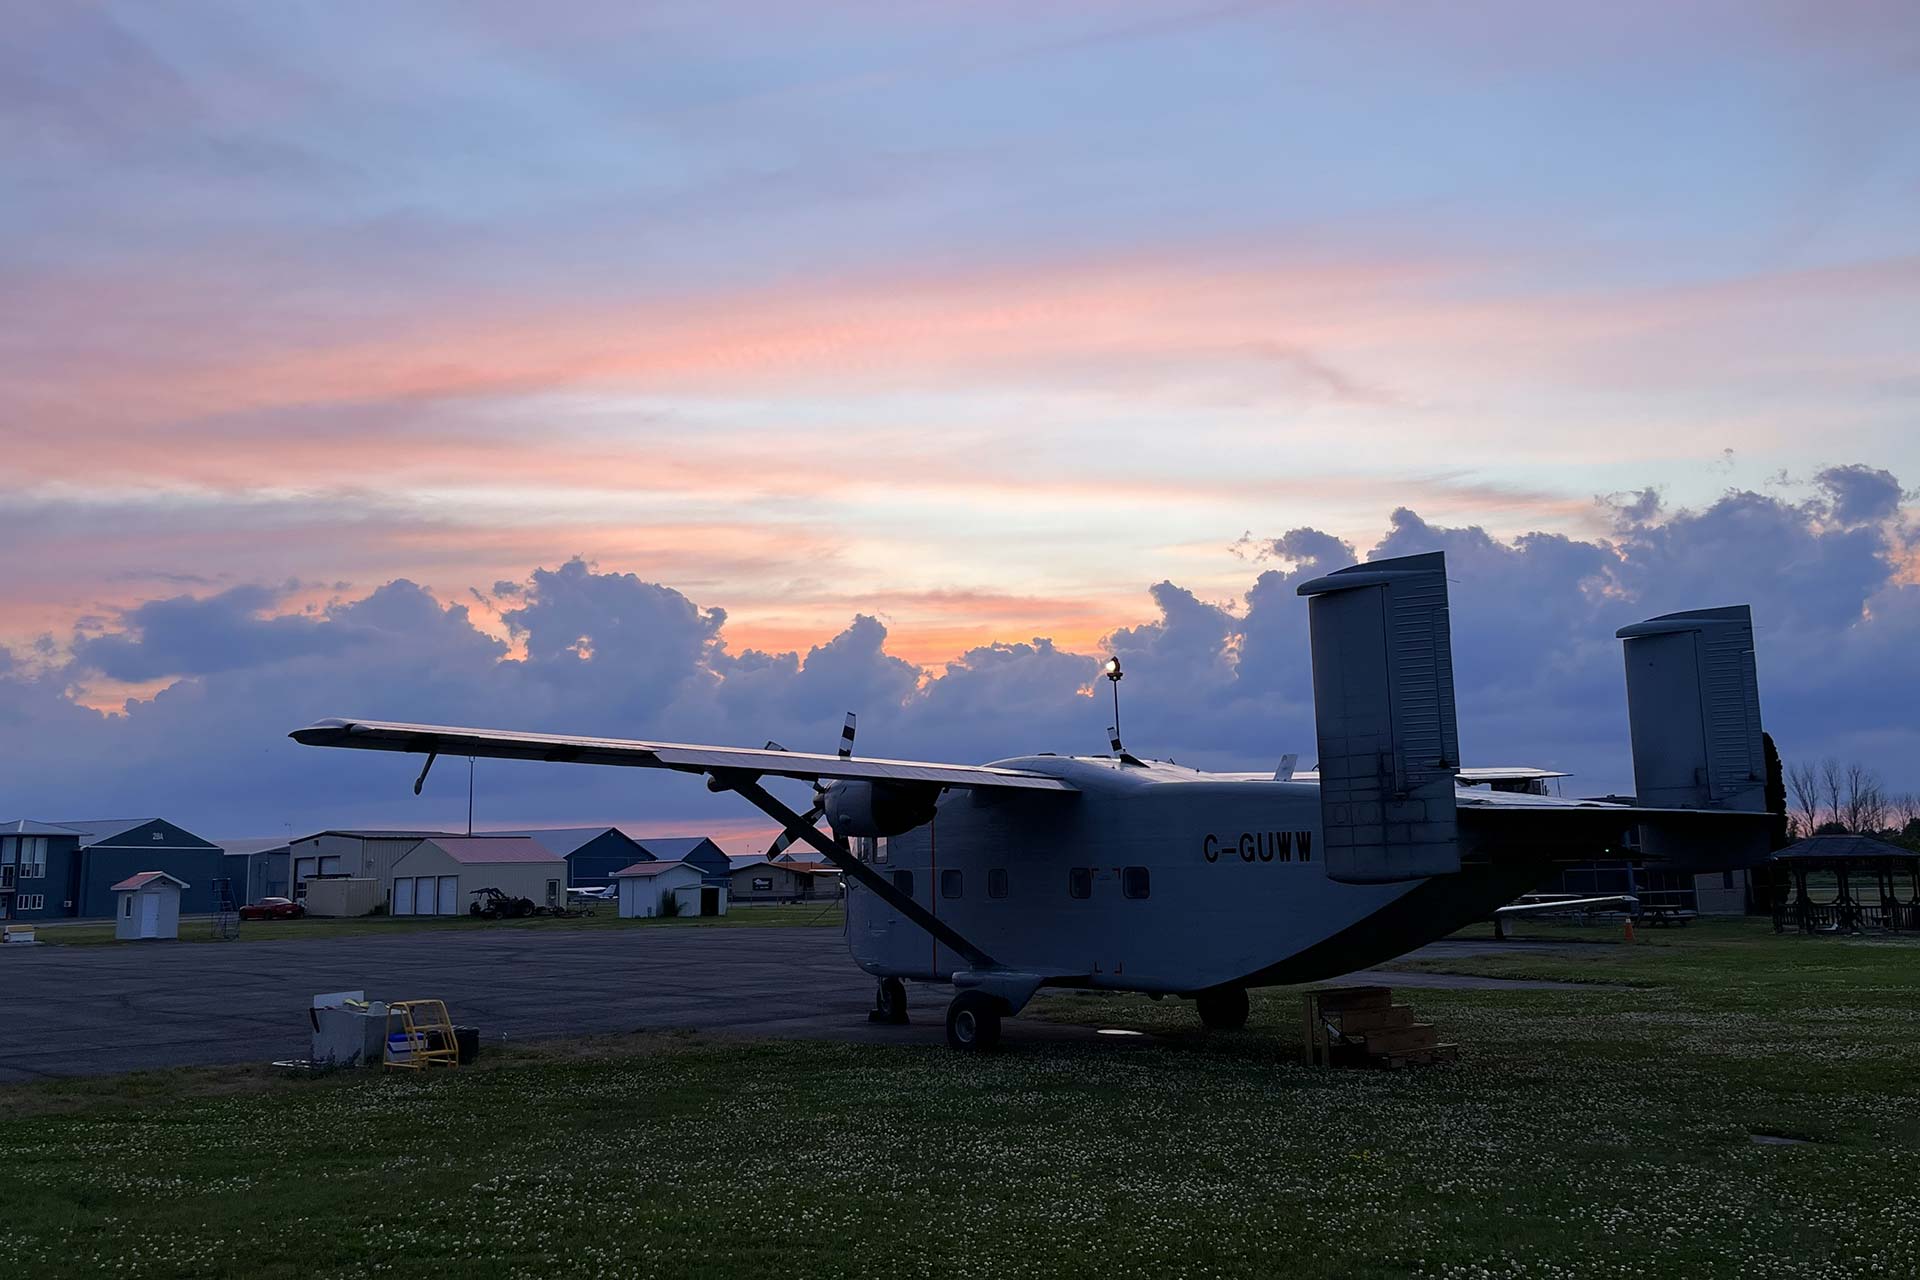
(846, 738)
(786, 838)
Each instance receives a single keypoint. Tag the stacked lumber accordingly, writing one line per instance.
(1363, 1027)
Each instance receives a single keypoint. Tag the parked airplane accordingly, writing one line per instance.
(1120, 873)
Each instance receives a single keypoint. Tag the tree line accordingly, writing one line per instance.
(1832, 798)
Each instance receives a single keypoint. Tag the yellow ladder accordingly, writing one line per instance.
(425, 1038)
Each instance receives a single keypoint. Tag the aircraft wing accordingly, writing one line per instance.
(1548, 905)
(425, 739)
(1516, 822)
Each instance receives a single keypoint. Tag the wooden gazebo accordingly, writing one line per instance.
(1860, 884)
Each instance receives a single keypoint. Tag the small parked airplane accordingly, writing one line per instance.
(1120, 873)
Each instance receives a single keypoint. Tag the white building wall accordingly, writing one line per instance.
(430, 862)
(640, 896)
(1714, 896)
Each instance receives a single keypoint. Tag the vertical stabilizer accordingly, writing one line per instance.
(1383, 713)
(1693, 708)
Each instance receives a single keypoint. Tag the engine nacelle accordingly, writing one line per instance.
(858, 809)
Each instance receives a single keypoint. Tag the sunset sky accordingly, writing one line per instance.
(973, 322)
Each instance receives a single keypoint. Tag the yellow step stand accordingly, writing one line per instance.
(419, 1036)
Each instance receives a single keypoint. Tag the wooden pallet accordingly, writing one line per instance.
(1362, 1026)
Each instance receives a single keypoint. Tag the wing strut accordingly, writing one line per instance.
(748, 787)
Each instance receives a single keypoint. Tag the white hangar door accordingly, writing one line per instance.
(449, 895)
(403, 897)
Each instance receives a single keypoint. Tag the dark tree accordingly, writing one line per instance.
(1777, 831)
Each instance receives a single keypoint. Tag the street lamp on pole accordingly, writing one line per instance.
(1113, 673)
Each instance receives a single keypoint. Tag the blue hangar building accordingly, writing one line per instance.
(58, 870)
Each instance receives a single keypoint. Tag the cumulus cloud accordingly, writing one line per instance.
(1861, 494)
(189, 636)
(1216, 683)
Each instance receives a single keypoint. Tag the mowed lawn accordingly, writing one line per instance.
(1599, 1132)
(600, 915)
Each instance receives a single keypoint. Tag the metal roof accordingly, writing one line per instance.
(652, 868)
(1839, 847)
(376, 833)
(565, 840)
(28, 827)
(103, 830)
(482, 850)
(141, 879)
(258, 844)
(673, 848)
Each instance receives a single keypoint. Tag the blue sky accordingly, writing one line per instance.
(978, 322)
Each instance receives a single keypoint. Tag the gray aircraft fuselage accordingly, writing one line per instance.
(1227, 886)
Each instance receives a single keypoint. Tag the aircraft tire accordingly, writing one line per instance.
(890, 1001)
(1223, 1008)
(973, 1022)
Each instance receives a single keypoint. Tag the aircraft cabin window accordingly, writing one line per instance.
(903, 881)
(1080, 882)
(1135, 882)
(949, 884)
(997, 882)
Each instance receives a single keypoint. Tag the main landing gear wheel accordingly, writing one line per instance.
(890, 1002)
(1223, 1008)
(973, 1021)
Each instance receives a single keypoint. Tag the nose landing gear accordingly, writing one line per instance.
(890, 1003)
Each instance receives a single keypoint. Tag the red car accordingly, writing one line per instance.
(273, 909)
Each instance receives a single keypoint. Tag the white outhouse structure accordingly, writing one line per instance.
(645, 887)
(147, 905)
(440, 875)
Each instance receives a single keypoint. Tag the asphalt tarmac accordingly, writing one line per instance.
(108, 1009)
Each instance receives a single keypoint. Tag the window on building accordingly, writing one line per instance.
(1080, 882)
(950, 884)
(1135, 882)
(33, 857)
(126, 906)
(903, 881)
(9, 850)
(997, 882)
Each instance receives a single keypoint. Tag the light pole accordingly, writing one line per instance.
(1115, 674)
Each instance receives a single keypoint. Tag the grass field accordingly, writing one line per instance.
(92, 933)
(1605, 1131)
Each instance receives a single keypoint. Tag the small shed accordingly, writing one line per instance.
(147, 905)
(645, 888)
(697, 851)
(441, 875)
